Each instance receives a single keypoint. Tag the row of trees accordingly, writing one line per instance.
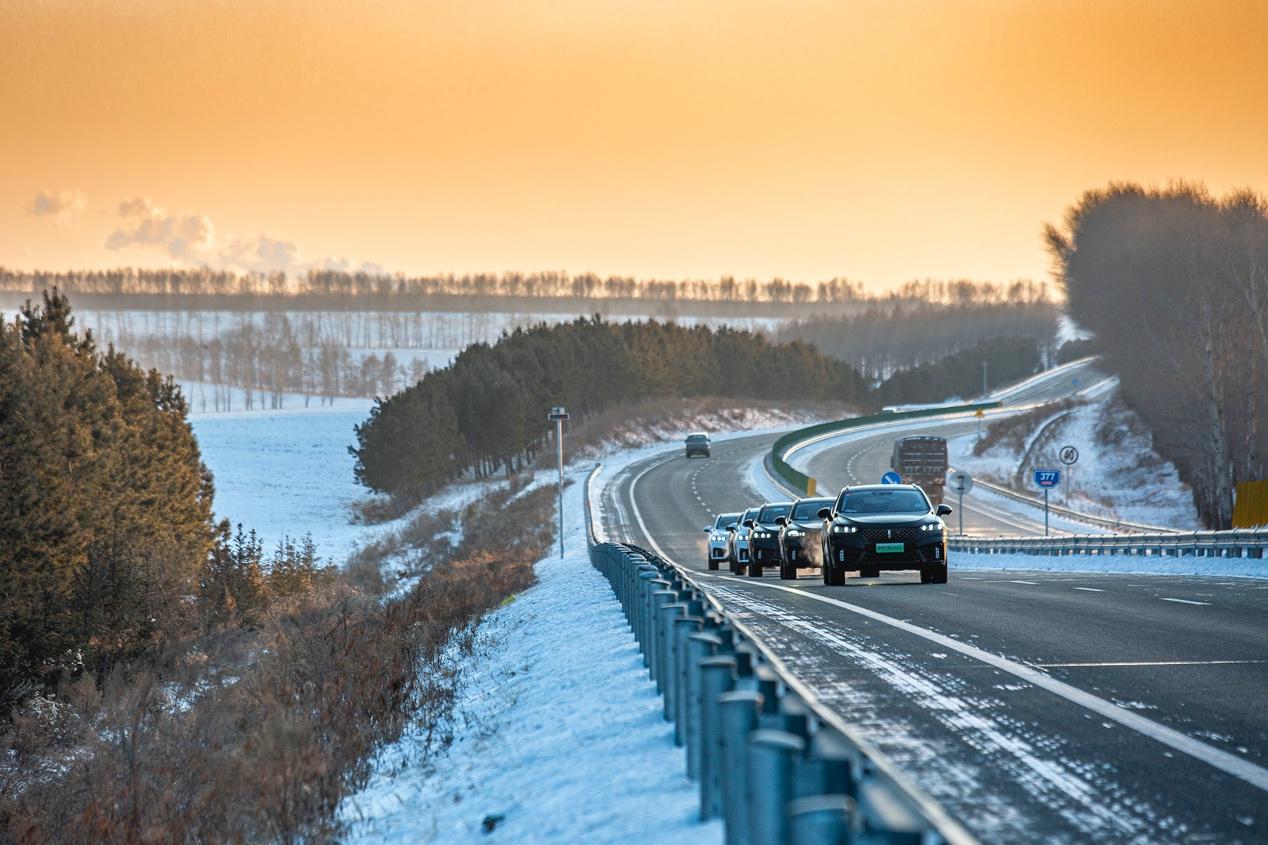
(1006, 360)
(1174, 283)
(105, 510)
(882, 341)
(337, 287)
(487, 410)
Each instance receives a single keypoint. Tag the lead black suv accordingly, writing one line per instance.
(763, 538)
(884, 526)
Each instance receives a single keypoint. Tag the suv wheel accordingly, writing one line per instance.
(934, 574)
(713, 563)
(754, 569)
(833, 575)
(787, 571)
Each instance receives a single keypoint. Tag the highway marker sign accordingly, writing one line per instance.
(891, 477)
(1068, 455)
(1047, 478)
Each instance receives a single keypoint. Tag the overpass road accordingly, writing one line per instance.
(1074, 707)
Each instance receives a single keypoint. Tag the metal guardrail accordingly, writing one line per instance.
(1238, 543)
(770, 760)
(802, 482)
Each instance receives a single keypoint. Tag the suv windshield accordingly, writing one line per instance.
(810, 509)
(725, 519)
(770, 513)
(882, 501)
(697, 438)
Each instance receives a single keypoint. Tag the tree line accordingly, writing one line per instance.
(883, 340)
(105, 510)
(487, 411)
(1174, 283)
(332, 288)
(1006, 360)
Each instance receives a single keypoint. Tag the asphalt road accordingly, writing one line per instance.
(1036, 706)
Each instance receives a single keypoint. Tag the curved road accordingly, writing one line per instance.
(1035, 706)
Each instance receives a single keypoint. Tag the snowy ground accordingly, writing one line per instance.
(1118, 474)
(557, 729)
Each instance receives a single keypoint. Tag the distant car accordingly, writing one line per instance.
(763, 539)
(720, 537)
(737, 557)
(876, 527)
(799, 536)
(698, 444)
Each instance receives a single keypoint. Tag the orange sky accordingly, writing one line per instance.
(881, 141)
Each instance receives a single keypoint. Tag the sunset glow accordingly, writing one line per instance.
(880, 141)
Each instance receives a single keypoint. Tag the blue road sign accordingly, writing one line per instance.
(891, 477)
(1047, 478)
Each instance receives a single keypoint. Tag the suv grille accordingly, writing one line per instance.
(905, 534)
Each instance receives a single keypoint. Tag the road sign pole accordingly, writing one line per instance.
(961, 510)
(1045, 511)
(559, 442)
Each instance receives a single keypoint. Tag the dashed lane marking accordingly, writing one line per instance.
(1186, 601)
(1147, 663)
(1027, 583)
(1230, 764)
(1089, 589)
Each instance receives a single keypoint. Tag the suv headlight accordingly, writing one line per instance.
(844, 529)
(931, 526)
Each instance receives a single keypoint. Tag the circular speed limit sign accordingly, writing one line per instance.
(1068, 455)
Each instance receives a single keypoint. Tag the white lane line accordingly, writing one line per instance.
(1230, 764)
(1027, 583)
(1149, 663)
(1089, 589)
(1185, 601)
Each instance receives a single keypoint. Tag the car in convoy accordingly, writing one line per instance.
(763, 538)
(698, 444)
(720, 537)
(799, 536)
(737, 558)
(875, 527)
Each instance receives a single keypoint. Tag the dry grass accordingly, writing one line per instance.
(258, 735)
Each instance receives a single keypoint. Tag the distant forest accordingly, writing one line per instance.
(584, 293)
(1174, 282)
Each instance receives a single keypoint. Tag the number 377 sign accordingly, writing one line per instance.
(1047, 478)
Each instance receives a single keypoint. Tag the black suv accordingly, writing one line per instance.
(698, 444)
(884, 526)
(763, 539)
(799, 536)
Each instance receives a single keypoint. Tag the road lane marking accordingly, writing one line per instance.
(1089, 589)
(1185, 601)
(1148, 663)
(1230, 764)
(1027, 583)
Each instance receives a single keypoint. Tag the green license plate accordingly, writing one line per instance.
(890, 548)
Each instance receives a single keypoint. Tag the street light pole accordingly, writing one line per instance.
(558, 414)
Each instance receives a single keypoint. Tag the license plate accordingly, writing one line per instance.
(889, 548)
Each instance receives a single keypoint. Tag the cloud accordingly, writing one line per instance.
(190, 238)
(185, 237)
(63, 206)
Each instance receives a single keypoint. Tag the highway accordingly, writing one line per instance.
(1036, 706)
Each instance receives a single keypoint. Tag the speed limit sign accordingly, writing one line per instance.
(1068, 455)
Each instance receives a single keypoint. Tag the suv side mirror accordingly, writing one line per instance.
(825, 513)
(708, 530)
(780, 520)
(944, 510)
(748, 523)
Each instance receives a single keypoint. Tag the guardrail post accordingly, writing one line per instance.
(679, 665)
(673, 637)
(820, 819)
(891, 820)
(665, 616)
(830, 766)
(770, 785)
(737, 717)
(717, 677)
(700, 647)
